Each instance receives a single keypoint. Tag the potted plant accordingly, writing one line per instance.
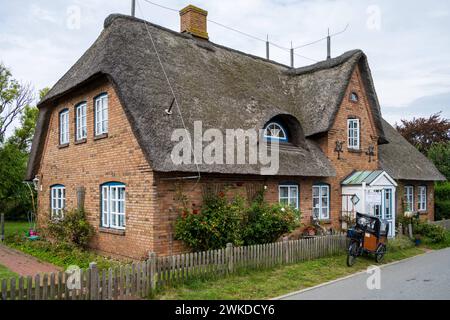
(417, 239)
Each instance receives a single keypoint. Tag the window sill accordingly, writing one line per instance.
(354, 150)
(116, 232)
(62, 146)
(326, 221)
(101, 136)
(81, 141)
(423, 213)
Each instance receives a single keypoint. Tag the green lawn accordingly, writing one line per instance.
(271, 283)
(5, 273)
(16, 227)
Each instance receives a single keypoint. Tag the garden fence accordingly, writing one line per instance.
(142, 279)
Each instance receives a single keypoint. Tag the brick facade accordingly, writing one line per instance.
(116, 157)
(350, 160)
(151, 198)
(428, 214)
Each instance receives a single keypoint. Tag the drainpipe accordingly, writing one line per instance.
(363, 198)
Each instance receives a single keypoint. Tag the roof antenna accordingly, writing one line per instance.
(328, 45)
(292, 56)
(133, 8)
(267, 48)
(169, 111)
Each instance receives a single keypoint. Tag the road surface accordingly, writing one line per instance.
(423, 277)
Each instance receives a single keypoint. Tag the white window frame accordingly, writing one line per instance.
(289, 198)
(422, 200)
(64, 131)
(353, 133)
(275, 131)
(57, 201)
(388, 210)
(101, 114)
(409, 198)
(113, 206)
(323, 193)
(81, 121)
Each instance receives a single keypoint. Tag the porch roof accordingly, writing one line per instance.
(358, 177)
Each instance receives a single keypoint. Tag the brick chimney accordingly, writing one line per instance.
(193, 21)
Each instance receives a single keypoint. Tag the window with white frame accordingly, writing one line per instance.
(113, 205)
(288, 195)
(274, 131)
(81, 125)
(57, 201)
(64, 127)
(353, 133)
(321, 202)
(101, 115)
(422, 201)
(409, 198)
(388, 204)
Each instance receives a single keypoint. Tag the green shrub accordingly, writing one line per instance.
(442, 191)
(221, 221)
(400, 243)
(73, 229)
(434, 233)
(442, 211)
(218, 223)
(266, 223)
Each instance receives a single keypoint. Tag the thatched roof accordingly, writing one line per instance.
(403, 161)
(222, 87)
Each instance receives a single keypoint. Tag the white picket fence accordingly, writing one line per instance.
(141, 279)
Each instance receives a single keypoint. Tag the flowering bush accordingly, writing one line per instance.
(221, 221)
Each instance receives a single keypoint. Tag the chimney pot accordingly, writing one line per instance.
(194, 21)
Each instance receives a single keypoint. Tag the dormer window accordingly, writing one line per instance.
(354, 97)
(274, 131)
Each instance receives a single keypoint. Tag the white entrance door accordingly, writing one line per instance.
(380, 203)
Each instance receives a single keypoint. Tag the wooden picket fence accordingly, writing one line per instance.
(141, 279)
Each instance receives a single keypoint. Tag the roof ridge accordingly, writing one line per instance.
(297, 71)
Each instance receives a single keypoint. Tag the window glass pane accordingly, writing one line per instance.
(293, 192)
(284, 192)
(316, 191)
(293, 202)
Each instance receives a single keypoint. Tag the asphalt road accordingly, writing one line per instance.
(423, 277)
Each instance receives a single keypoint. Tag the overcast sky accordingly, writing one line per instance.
(406, 41)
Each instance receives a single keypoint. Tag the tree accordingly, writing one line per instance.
(23, 135)
(14, 97)
(423, 132)
(439, 153)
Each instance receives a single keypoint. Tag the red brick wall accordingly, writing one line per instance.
(350, 160)
(115, 158)
(169, 207)
(424, 215)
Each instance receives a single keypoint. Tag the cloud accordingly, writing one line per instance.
(408, 53)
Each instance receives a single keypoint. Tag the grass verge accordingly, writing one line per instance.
(5, 273)
(265, 284)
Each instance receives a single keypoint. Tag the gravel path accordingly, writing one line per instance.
(23, 264)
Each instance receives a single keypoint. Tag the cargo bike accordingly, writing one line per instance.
(369, 235)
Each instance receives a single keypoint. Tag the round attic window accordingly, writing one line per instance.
(275, 131)
(353, 97)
